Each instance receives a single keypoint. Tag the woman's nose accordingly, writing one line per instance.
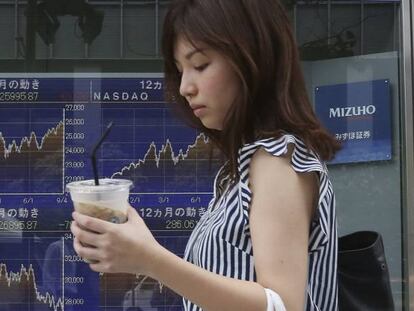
(187, 86)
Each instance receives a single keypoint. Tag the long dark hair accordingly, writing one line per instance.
(256, 38)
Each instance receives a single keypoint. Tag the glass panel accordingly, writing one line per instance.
(358, 44)
(347, 24)
(107, 44)
(69, 90)
(68, 41)
(6, 31)
(140, 31)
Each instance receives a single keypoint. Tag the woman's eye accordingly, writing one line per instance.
(201, 67)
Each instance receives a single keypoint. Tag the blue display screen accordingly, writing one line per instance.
(48, 126)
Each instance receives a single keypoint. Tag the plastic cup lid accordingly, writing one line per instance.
(105, 184)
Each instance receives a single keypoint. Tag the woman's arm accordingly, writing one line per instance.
(279, 222)
(282, 207)
(130, 248)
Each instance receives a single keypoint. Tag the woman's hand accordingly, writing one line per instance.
(116, 248)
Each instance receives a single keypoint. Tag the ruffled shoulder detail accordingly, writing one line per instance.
(303, 160)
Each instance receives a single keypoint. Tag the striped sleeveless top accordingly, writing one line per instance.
(221, 240)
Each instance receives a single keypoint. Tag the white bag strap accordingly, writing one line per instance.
(274, 302)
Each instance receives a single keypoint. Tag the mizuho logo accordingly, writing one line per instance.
(352, 111)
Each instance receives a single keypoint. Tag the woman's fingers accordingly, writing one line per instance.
(91, 223)
(89, 254)
(112, 247)
(132, 214)
(83, 235)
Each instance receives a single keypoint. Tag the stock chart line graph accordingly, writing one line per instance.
(31, 150)
(159, 154)
(190, 169)
(31, 274)
(43, 273)
(22, 284)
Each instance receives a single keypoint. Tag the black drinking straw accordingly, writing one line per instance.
(93, 154)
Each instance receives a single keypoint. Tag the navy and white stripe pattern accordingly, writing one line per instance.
(221, 241)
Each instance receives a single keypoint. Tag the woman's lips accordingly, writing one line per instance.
(198, 110)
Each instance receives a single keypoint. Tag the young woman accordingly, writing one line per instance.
(268, 240)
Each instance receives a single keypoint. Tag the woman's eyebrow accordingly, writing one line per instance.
(195, 51)
(191, 54)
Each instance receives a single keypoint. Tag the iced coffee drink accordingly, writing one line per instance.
(100, 212)
(107, 201)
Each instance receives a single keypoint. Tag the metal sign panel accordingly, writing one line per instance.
(359, 116)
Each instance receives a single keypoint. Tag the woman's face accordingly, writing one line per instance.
(208, 82)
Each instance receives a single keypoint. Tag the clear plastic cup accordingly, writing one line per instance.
(107, 201)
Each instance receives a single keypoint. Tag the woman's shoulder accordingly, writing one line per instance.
(290, 152)
(287, 148)
(277, 176)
